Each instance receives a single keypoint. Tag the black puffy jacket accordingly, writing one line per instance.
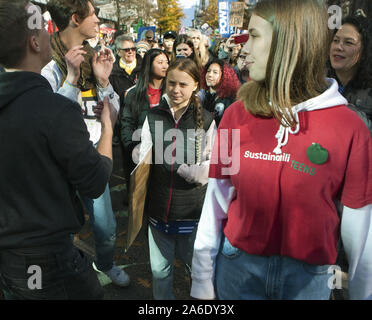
(170, 197)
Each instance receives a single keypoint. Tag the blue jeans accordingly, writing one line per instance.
(103, 223)
(163, 248)
(65, 274)
(242, 276)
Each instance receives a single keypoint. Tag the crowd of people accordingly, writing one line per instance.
(261, 152)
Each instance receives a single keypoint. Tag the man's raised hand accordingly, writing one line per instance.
(74, 58)
(102, 66)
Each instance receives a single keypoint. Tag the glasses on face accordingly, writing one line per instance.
(96, 11)
(243, 57)
(127, 49)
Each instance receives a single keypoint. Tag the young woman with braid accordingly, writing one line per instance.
(179, 173)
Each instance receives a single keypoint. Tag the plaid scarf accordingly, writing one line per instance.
(87, 79)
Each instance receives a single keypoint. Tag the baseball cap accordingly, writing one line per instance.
(170, 34)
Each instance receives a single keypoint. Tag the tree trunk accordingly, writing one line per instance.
(117, 24)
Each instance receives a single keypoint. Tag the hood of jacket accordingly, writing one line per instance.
(14, 84)
(328, 99)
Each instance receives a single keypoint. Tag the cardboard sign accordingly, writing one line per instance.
(236, 14)
(137, 197)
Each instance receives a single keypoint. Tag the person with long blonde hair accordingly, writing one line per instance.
(199, 45)
(288, 154)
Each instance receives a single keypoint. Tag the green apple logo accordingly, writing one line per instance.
(317, 154)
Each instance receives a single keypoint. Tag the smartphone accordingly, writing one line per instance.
(242, 38)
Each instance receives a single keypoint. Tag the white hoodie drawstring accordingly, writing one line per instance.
(284, 132)
(327, 99)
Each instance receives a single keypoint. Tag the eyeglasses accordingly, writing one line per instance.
(127, 49)
(243, 57)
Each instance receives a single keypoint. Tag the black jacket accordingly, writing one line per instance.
(132, 118)
(215, 104)
(170, 197)
(122, 81)
(46, 156)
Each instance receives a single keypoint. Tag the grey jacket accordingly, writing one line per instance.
(360, 98)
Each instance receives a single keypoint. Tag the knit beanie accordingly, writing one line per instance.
(143, 45)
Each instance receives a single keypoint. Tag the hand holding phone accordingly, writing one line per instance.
(242, 38)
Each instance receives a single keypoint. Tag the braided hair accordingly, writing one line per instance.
(189, 66)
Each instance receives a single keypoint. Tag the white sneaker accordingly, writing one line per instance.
(117, 275)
